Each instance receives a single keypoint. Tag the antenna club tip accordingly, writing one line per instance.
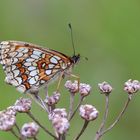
(69, 25)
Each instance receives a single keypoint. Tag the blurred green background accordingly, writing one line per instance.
(105, 31)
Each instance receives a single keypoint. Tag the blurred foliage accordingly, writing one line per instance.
(105, 31)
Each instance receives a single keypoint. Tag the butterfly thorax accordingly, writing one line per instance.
(75, 58)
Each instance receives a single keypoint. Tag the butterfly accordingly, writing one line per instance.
(28, 66)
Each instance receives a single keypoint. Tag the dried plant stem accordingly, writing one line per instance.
(82, 130)
(17, 127)
(62, 137)
(80, 102)
(120, 115)
(35, 138)
(100, 130)
(13, 132)
(71, 105)
(46, 130)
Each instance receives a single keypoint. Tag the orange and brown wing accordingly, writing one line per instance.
(27, 65)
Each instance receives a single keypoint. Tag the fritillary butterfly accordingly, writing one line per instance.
(28, 66)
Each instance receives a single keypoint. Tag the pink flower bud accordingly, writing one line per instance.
(132, 86)
(58, 112)
(7, 121)
(105, 87)
(88, 112)
(23, 105)
(29, 130)
(61, 125)
(11, 110)
(54, 99)
(84, 89)
(72, 87)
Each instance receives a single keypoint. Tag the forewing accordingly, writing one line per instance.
(28, 66)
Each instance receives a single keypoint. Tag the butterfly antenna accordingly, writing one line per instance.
(72, 38)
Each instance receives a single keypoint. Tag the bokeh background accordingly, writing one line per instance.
(105, 31)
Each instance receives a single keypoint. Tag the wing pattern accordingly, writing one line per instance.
(29, 66)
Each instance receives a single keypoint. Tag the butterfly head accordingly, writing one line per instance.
(75, 58)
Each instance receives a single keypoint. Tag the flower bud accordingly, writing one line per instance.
(131, 86)
(58, 112)
(54, 99)
(61, 125)
(29, 130)
(23, 105)
(84, 89)
(7, 121)
(88, 112)
(105, 87)
(72, 87)
(11, 110)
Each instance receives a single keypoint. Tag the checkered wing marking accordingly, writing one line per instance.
(27, 65)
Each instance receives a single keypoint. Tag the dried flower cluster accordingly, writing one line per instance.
(7, 121)
(60, 117)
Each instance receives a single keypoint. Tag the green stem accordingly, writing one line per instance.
(46, 130)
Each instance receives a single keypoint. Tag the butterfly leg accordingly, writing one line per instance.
(39, 99)
(77, 78)
(59, 81)
(34, 95)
